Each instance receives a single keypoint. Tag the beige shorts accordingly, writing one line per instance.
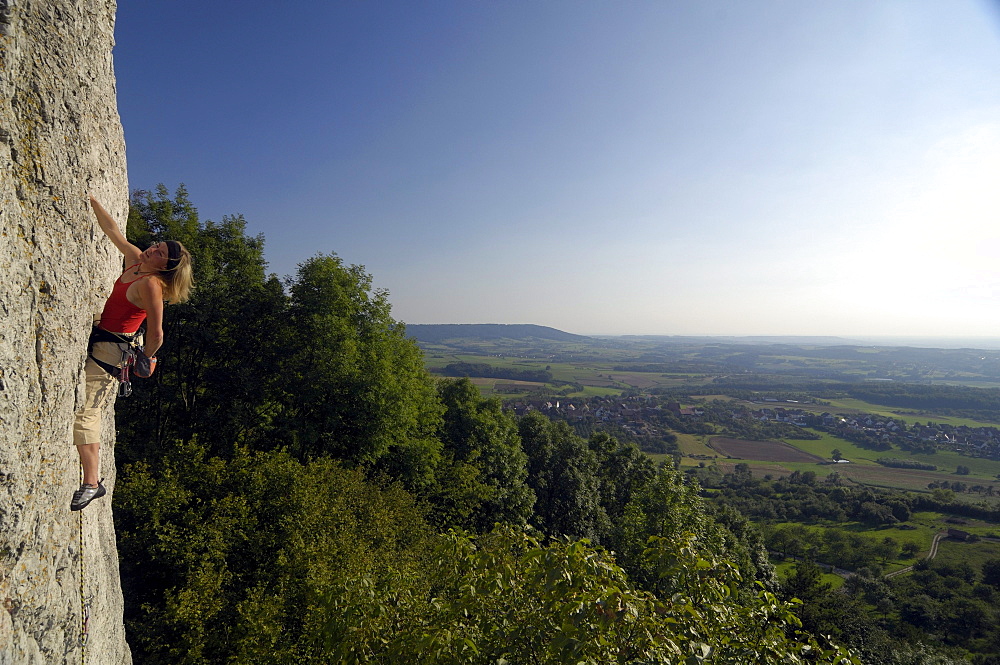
(100, 387)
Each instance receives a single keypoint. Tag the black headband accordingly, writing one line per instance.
(174, 252)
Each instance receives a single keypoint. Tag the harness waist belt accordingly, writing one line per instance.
(102, 335)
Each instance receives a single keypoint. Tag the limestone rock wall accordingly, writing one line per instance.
(60, 138)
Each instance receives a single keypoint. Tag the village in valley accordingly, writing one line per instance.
(915, 419)
(647, 418)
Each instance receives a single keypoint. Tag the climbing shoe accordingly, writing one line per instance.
(86, 494)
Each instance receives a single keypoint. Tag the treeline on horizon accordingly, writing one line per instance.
(295, 487)
(485, 370)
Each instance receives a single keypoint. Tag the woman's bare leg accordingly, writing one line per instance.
(90, 458)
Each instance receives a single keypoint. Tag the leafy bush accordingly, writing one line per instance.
(905, 464)
(507, 598)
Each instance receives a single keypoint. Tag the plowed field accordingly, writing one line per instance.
(760, 451)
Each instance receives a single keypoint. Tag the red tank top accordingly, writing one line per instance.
(119, 314)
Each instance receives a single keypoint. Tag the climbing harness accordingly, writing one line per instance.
(133, 359)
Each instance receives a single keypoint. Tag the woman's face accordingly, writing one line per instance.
(156, 256)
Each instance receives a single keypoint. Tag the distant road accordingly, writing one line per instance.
(930, 555)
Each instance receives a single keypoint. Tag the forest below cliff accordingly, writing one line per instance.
(294, 486)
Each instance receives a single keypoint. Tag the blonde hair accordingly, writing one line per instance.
(177, 281)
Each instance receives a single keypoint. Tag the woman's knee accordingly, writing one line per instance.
(87, 427)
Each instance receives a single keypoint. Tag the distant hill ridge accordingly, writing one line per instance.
(437, 332)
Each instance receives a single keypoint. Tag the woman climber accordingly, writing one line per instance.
(161, 273)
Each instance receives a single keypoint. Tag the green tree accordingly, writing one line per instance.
(506, 598)
(789, 539)
(624, 471)
(744, 546)
(805, 582)
(359, 388)
(482, 445)
(666, 507)
(888, 549)
(991, 572)
(943, 495)
(322, 369)
(563, 473)
(900, 510)
(742, 476)
(873, 513)
(228, 560)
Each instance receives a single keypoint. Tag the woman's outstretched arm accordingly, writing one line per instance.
(111, 230)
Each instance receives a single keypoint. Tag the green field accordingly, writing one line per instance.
(907, 416)
(827, 443)
(975, 554)
(920, 530)
(595, 378)
(786, 568)
(862, 469)
(922, 536)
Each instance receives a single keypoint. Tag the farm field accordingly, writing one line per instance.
(588, 373)
(949, 460)
(603, 367)
(939, 522)
(694, 447)
(758, 469)
(776, 458)
(981, 470)
(813, 359)
(864, 468)
(827, 443)
(504, 387)
(847, 405)
(760, 451)
(883, 476)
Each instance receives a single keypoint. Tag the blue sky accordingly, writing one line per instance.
(720, 168)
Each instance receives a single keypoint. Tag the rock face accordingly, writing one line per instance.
(60, 139)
